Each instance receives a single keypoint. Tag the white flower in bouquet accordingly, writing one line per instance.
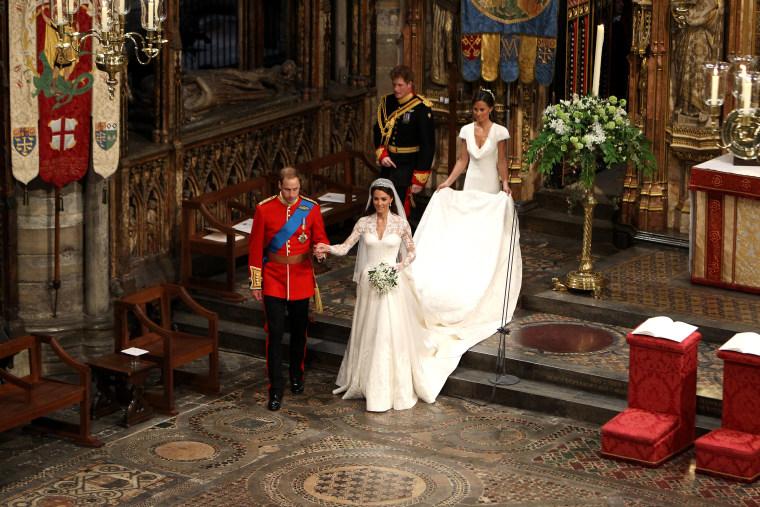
(383, 277)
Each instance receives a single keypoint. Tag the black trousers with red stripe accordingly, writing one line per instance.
(278, 311)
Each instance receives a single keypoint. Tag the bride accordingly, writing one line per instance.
(390, 358)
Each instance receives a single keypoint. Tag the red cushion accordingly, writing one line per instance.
(730, 443)
(640, 425)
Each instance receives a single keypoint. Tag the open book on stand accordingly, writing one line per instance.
(745, 343)
(665, 327)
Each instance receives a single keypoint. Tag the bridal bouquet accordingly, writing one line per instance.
(586, 132)
(383, 277)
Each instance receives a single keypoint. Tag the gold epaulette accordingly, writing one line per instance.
(425, 101)
(308, 199)
(267, 200)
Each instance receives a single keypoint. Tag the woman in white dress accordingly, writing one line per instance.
(479, 223)
(389, 360)
(484, 150)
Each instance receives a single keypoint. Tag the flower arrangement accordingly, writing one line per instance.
(383, 277)
(586, 132)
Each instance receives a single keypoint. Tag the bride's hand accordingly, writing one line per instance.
(442, 186)
(321, 248)
(505, 188)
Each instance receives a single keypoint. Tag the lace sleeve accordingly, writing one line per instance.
(406, 237)
(344, 247)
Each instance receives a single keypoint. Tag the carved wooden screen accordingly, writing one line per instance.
(577, 75)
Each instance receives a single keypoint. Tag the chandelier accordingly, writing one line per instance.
(109, 28)
(740, 132)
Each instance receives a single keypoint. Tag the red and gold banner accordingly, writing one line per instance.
(64, 82)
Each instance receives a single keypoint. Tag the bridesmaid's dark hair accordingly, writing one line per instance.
(487, 96)
(371, 209)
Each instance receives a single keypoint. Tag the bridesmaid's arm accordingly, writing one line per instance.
(501, 166)
(459, 167)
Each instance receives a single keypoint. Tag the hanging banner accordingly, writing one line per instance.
(22, 35)
(471, 49)
(519, 24)
(64, 84)
(105, 124)
(510, 56)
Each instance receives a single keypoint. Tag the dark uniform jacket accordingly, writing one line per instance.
(405, 131)
(286, 281)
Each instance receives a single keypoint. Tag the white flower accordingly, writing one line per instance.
(383, 277)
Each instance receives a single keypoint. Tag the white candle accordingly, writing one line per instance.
(120, 6)
(598, 59)
(151, 12)
(70, 6)
(59, 13)
(104, 15)
(746, 93)
(714, 87)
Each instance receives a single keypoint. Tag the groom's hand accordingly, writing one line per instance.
(416, 189)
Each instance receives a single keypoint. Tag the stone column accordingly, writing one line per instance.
(97, 302)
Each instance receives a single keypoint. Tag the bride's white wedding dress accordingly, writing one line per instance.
(462, 287)
(390, 358)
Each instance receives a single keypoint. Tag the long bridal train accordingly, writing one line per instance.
(463, 262)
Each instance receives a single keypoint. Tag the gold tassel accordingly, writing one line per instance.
(317, 298)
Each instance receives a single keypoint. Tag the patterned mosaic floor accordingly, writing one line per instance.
(321, 450)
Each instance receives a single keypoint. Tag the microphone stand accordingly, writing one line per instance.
(501, 378)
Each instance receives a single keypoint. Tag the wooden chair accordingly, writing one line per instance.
(167, 347)
(31, 398)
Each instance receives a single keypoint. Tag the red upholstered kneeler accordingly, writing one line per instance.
(662, 402)
(733, 451)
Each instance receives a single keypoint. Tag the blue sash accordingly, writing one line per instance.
(291, 226)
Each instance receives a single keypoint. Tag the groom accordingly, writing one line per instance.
(285, 227)
(404, 136)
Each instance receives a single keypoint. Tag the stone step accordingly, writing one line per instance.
(556, 390)
(557, 200)
(561, 224)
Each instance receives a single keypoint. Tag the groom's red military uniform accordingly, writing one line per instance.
(286, 279)
(288, 274)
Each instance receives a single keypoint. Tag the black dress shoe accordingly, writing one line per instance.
(275, 401)
(296, 385)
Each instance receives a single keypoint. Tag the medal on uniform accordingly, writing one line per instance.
(303, 237)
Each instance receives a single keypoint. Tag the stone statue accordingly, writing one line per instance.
(203, 90)
(152, 226)
(698, 38)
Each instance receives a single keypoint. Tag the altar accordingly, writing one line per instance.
(724, 246)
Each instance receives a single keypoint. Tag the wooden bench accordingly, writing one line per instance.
(208, 220)
(334, 176)
(153, 331)
(208, 223)
(30, 398)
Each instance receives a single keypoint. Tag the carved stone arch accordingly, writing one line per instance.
(258, 167)
(335, 142)
(213, 182)
(349, 140)
(190, 188)
(303, 154)
(281, 160)
(235, 174)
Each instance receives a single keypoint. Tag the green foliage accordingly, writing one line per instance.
(585, 133)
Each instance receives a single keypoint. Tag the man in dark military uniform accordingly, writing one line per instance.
(285, 227)
(404, 136)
